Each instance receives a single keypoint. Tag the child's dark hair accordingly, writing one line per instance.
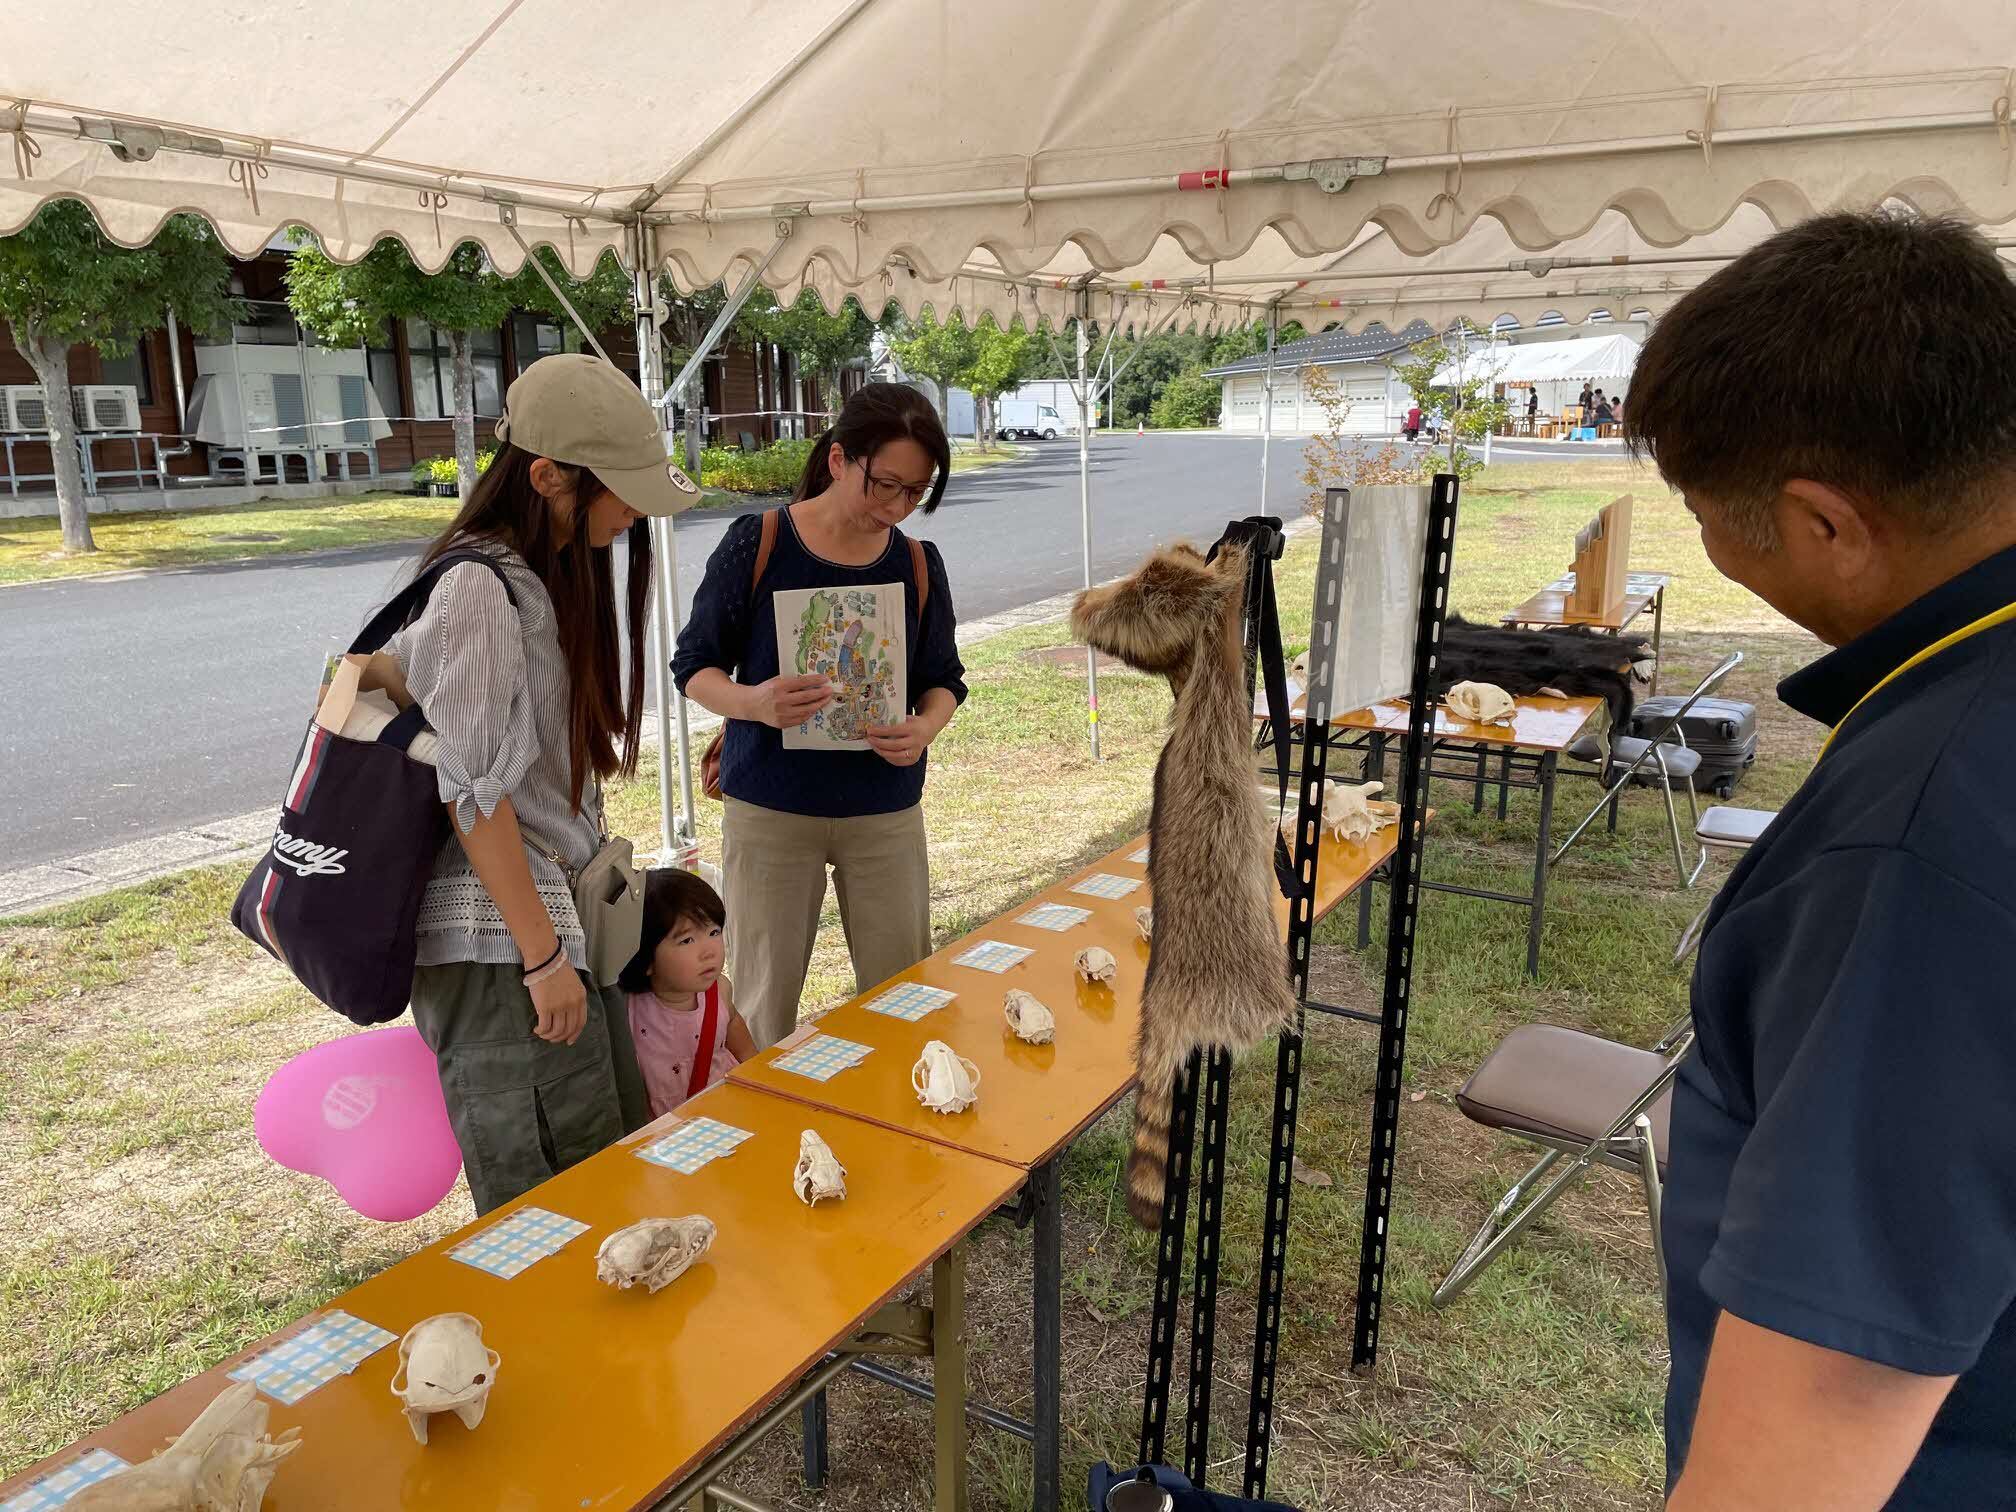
(672, 896)
(874, 415)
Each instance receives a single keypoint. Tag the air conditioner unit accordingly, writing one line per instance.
(107, 406)
(22, 408)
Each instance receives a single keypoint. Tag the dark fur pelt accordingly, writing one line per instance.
(1576, 660)
(1217, 974)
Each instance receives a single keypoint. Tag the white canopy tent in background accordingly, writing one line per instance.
(918, 143)
(1592, 357)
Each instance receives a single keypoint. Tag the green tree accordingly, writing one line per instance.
(825, 343)
(62, 284)
(1465, 399)
(1155, 363)
(940, 351)
(1002, 360)
(1251, 340)
(603, 299)
(344, 302)
(1187, 401)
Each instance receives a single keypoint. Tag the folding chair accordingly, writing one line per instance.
(1626, 755)
(1728, 829)
(1582, 1099)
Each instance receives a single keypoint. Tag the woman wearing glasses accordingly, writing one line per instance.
(792, 813)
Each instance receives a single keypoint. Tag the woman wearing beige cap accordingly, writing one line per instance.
(524, 686)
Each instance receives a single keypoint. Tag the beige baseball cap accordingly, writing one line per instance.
(577, 409)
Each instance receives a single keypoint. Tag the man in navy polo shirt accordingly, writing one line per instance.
(1839, 409)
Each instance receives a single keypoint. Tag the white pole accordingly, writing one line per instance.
(665, 620)
(1490, 345)
(1267, 405)
(1085, 525)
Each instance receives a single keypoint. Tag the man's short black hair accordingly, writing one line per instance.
(1873, 352)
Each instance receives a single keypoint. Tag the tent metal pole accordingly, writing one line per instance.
(1113, 377)
(673, 839)
(729, 311)
(1267, 403)
(510, 219)
(1085, 523)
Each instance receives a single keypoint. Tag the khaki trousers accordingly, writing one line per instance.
(774, 865)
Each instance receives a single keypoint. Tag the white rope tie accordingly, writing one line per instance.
(27, 149)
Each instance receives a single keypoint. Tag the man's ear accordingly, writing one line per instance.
(1818, 515)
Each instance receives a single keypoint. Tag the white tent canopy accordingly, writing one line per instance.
(1591, 357)
(916, 133)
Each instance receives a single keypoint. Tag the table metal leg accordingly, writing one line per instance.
(1504, 781)
(1658, 624)
(948, 1377)
(1548, 765)
(1375, 758)
(1477, 802)
(1049, 1344)
(817, 1462)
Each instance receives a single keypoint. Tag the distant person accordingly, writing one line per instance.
(1587, 400)
(1532, 403)
(1840, 1211)
(1411, 428)
(1605, 415)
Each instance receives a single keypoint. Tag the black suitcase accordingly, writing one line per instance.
(1722, 731)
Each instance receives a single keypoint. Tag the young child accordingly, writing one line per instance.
(682, 1010)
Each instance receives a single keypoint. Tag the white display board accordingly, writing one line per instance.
(1385, 533)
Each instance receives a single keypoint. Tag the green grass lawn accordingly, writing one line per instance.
(146, 1236)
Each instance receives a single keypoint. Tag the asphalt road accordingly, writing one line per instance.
(145, 703)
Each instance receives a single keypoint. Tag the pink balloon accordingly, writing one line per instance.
(364, 1113)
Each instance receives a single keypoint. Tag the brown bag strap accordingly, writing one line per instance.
(921, 573)
(766, 542)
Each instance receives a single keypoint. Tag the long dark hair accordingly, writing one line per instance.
(602, 723)
(874, 415)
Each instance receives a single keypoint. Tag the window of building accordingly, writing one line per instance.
(432, 364)
(133, 368)
(381, 357)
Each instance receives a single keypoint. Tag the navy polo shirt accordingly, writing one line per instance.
(1843, 1156)
(736, 631)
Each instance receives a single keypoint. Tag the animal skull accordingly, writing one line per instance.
(1480, 703)
(447, 1369)
(1144, 920)
(224, 1461)
(655, 1251)
(1096, 964)
(818, 1173)
(945, 1082)
(1029, 1019)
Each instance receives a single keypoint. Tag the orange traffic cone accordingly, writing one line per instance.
(1140, 427)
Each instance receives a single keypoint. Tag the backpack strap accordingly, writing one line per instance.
(411, 599)
(921, 571)
(766, 542)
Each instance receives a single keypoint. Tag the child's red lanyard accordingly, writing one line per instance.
(703, 1049)
(1987, 622)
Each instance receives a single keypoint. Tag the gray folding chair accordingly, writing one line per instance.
(1664, 752)
(1723, 829)
(1584, 1100)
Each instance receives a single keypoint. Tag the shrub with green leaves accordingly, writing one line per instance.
(775, 469)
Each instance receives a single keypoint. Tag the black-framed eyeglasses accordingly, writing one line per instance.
(889, 490)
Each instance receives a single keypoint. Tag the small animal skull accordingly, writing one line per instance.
(447, 1369)
(655, 1251)
(1096, 964)
(1480, 703)
(1029, 1019)
(1348, 813)
(945, 1082)
(1144, 920)
(818, 1173)
(223, 1460)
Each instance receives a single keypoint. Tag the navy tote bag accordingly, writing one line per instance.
(336, 897)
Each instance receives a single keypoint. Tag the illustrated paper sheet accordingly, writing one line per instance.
(854, 638)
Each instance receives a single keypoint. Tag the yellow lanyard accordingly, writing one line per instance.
(1987, 622)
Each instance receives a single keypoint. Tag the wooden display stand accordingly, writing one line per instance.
(1602, 560)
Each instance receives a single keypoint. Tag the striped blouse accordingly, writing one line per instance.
(495, 687)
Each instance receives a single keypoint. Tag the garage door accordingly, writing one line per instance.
(1239, 403)
(1367, 397)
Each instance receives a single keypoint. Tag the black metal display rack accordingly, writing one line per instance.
(1212, 1074)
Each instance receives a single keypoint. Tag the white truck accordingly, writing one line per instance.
(1030, 420)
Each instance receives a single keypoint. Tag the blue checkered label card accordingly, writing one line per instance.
(692, 1144)
(910, 1001)
(57, 1487)
(992, 955)
(330, 1346)
(1055, 917)
(1141, 856)
(822, 1057)
(1106, 885)
(512, 1247)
